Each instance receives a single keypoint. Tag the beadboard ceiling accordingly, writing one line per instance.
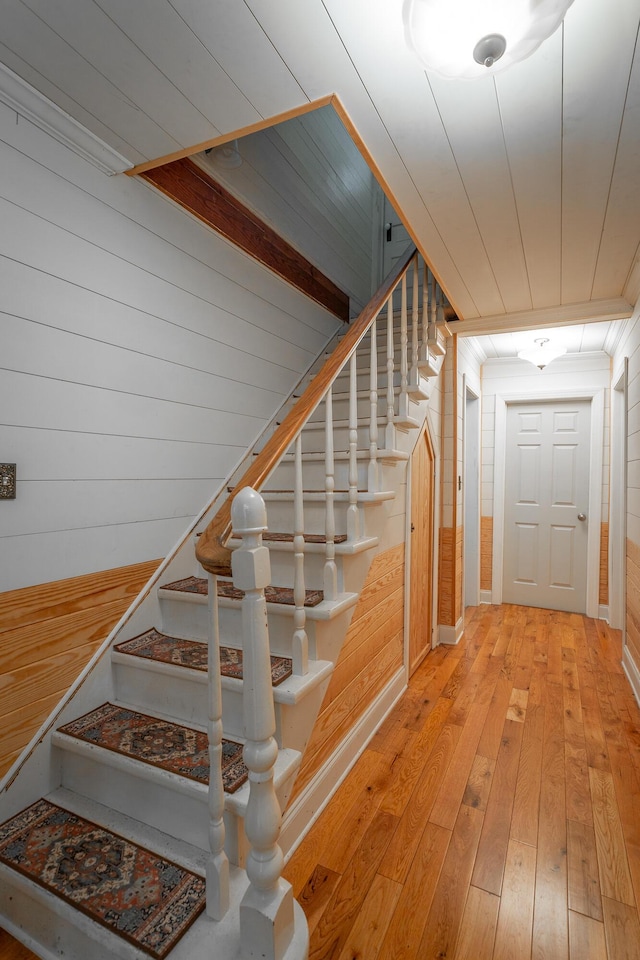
(522, 190)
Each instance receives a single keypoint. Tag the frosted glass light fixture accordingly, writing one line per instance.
(542, 352)
(474, 38)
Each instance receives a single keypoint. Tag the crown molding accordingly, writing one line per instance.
(616, 308)
(20, 96)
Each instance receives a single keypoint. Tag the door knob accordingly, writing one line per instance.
(582, 516)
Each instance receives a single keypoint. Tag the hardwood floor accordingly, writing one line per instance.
(496, 813)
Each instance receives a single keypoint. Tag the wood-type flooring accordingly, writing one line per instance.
(496, 813)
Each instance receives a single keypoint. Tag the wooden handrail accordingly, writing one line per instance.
(212, 551)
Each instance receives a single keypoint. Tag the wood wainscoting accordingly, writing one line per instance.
(372, 652)
(604, 564)
(486, 553)
(450, 576)
(48, 633)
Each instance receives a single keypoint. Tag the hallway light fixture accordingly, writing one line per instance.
(467, 38)
(542, 353)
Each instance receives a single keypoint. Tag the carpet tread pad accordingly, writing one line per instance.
(161, 743)
(135, 893)
(154, 645)
(227, 590)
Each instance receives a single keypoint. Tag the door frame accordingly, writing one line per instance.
(471, 509)
(618, 502)
(596, 397)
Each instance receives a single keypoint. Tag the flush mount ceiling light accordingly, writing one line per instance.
(469, 38)
(542, 353)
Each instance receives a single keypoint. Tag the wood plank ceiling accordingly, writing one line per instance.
(522, 190)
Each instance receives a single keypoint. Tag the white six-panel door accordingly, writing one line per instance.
(547, 504)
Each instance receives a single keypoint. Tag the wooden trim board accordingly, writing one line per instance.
(193, 188)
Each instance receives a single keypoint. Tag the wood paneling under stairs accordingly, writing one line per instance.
(496, 813)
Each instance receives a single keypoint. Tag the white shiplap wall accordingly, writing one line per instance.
(306, 178)
(140, 355)
(629, 347)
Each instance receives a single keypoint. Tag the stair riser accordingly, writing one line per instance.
(313, 441)
(190, 620)
(54, 929)
(314, 475)
(314, 563)
(186, 701)
(279, 514)
(363, 403)
(180, 816)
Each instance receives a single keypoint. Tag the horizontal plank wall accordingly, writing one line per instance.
(48, 634)
(141, 356)
(372, 652)
(628, 348)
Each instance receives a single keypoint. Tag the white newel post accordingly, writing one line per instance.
(266, 911)
(217, 864)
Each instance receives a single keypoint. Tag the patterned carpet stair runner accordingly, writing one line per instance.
(153, 645)
(137, 894)
(227, 590)
(161, 743)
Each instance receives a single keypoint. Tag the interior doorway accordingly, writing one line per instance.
(472, 436)
(546, 504)
(421, 556)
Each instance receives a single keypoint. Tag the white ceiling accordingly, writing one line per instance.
(522, 190)
(595, 337)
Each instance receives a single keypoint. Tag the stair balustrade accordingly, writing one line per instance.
(265, 913)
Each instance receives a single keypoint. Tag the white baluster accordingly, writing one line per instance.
(372, 480)
(266, 911)
(300, 649)
(217, 864)
(403, 401)
(353, 514)
(330, 569)
(414, 377)
(390, 432)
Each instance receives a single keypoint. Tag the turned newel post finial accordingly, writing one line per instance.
(266, 911)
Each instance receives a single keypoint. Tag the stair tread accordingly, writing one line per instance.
(226, 589)
(132, 891)
(154, 645)
(160, 743)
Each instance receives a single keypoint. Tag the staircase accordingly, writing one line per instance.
(169, 762)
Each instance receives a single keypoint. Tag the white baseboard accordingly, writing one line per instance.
(306, 808)
(633, 673)
(485, 596)
(603, 612)
(451, 635)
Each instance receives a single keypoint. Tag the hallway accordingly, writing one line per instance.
(496, 814)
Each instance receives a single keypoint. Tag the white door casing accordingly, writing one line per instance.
(593, 510)
(546, 502)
